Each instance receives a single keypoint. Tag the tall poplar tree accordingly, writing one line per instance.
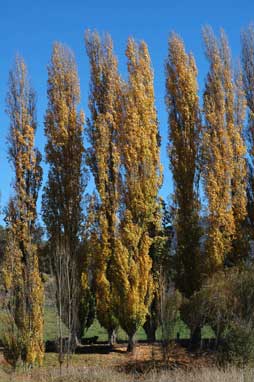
(247, 57)
(103, 157)
(20, 269)
(62, 199)
(184, 121)
(239, 183)
(141, 171)
(224, 168)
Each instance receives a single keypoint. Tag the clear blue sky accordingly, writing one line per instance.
(29, 27)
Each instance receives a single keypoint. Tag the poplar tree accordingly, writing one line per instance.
(184, 122)
(22, 280)
(103, 157)
(239, 183)
(133, 282)
(63, 193)
(224, 169)
(247, 58)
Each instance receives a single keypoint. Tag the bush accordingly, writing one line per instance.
(226, 303)
(212, 305)
(237, 345)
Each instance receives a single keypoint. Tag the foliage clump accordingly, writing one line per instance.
(226, 304)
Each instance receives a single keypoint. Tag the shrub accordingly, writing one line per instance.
(237, 345)
(212, 305)
(226, 303)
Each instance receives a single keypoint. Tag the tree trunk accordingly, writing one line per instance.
(131, 344)
(73, 342)
(150, 330)
(112, 337)
(196, 338)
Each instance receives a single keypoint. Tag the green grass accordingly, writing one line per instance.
(51, 329)
(97, 330)
(51, 324)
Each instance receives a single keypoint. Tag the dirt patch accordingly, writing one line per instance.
(150, 357)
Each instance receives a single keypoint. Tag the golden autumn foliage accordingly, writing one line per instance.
(118, 254)
(62, 199)
(224, 167)
(133, 283)
(247, 58)
(103, 158)
(184, 145)
(20, 269)
(240, 242)
(248, 79)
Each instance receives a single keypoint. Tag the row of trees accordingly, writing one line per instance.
(120, 246)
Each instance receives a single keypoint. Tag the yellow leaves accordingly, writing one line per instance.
(140, 133)
(24, 286)
(21, 273)
(7, 277)
(62, 120)
(133, 284)
(84, 280)
(223, 150)
(134, 139)
(184, 144)
(103, 132)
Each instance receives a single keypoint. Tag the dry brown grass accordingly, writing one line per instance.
(95, 374)
(145, 365)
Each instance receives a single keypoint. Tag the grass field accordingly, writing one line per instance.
(50, 329)
(181, 328)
